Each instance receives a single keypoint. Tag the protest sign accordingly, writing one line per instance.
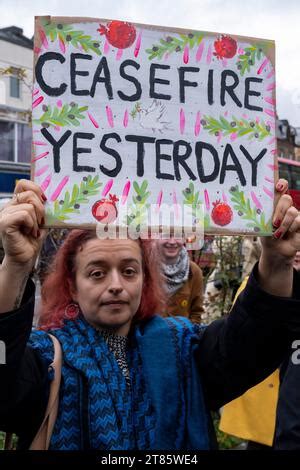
(130, 120)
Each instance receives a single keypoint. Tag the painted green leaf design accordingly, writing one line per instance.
(138, 211)
(67, 35)
(67, 115)
(70, 203)
(249, 58)
(172, 44)
(255, 216)
(256, 129)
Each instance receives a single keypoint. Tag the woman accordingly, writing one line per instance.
(183, 281)
(131, 379)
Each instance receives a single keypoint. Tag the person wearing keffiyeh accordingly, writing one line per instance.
(183, 281)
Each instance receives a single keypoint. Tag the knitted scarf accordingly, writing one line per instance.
(114, 412)
(164, 407)
(177, 274)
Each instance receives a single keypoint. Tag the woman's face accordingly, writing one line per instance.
(108, 283)
(170, 249)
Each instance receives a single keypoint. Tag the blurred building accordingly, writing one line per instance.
(15, 104)
(297, 143)
(288, 140)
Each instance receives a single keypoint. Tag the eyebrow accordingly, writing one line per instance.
(99, 262)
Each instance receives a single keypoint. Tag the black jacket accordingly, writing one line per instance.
(234, 353)
(287, 432)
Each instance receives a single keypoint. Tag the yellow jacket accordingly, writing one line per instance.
(252, 416)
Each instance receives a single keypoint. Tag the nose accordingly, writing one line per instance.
(115, 286)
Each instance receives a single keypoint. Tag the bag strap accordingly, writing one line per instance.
(43, 436)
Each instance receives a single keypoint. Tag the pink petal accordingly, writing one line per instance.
(206, 199)
(197, 124)
(125, 119)
(37, 102)
(59, 188)
(45, 183)
(109, 115)
(93, 120)
(255, 200)
(38, 142)
(42, 170)
(270, 100)
(186, 55)
(119, 54)
(268, 192)
(137, 45)
(270, 87)
(264, 63)
(43, 38)
(182, 121)
(199, 51)
(270, 112)
(38, 157)
(107, 187)
(125, 192)
(209, 55)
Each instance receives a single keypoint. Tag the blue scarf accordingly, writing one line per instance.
(163, 409)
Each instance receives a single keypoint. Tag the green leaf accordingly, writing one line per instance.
(136, 187)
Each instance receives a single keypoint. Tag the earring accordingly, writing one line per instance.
(71, 311)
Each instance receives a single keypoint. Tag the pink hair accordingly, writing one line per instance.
(56, 289)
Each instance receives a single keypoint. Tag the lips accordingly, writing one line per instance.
(114, 302)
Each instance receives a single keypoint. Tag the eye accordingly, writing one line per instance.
(129, 272)
(96, 274)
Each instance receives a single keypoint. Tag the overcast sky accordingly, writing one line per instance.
(269, 19)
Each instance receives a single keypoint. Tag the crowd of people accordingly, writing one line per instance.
(139, 370)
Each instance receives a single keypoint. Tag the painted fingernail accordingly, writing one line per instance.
(44, 197)
(43, 221)
(277, 234)
(277, 223)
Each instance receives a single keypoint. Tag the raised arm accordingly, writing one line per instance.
(21, 239)
(241, 350)
(275, 270)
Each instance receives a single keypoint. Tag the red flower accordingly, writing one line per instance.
(105, 210)
(118, 33)
(221, 213)
(225, 47)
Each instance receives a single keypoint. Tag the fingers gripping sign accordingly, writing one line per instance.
(286, 222)
(20, 222)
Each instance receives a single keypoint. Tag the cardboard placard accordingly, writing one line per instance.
(130, 119)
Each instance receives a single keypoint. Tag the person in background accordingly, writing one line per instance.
(251, 249)
(183, 281)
